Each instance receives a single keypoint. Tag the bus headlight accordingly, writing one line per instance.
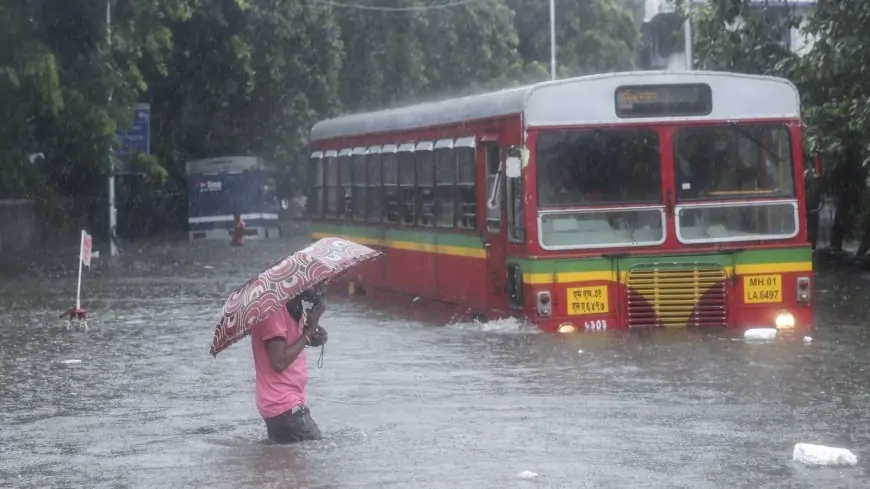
(784, 321)
(566, 328)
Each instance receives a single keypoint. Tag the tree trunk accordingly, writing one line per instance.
(850, 177)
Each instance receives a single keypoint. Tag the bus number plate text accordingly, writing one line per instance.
(588, 300)
(762, 289)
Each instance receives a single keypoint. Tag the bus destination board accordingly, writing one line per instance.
(663, 100)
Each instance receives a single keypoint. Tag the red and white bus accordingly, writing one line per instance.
(625, 200)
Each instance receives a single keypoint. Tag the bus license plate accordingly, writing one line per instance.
(588, 300)
(762, 289)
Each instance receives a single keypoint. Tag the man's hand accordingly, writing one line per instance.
(315, 333)
(317, 336)
(315, 312)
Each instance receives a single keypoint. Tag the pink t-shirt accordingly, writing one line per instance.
(278, 392)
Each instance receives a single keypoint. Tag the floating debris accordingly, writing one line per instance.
(808, 339)
(527, 475)
(822, 456)
(70, 362)
(760, 334)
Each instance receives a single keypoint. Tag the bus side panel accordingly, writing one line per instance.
(411, 262)
(461, 270)
(462, 280)
(402, 265)
(368, 274)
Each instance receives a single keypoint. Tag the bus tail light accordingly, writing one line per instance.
(544, 303)
(803, 290)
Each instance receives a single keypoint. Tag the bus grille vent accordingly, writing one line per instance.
(676, 295)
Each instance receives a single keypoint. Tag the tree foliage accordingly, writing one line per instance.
(229, 77)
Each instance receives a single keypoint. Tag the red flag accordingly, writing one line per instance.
(87, 245)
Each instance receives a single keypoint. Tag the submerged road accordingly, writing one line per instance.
(406, 404)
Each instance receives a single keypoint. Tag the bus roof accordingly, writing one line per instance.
(581, 100)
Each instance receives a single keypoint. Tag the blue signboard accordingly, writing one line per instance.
(136, 139)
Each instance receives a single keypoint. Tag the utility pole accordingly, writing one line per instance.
(113, 213)
(552, 39)
(687, 38)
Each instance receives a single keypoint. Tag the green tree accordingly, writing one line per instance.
(592, 36)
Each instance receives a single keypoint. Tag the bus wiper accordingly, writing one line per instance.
(742, 130)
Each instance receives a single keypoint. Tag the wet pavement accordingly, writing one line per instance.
(404, 403)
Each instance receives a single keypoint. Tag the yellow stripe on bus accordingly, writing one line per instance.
(610, 276)
(756, 268)
(409, 246)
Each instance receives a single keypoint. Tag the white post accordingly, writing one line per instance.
(552, 39)
(687, 39)
(113, 214)
(79, 286)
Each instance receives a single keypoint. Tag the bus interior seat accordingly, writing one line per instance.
(717, 231)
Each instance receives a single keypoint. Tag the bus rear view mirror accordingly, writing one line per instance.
(513, 167)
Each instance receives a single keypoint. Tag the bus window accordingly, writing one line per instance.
(467, 188)
(374, 193)
(596, 167)
(331, 163)
(358, 193)
(733, 161)
(445, 187)
(425, 162)
(407, 182)
(516, 210)
(345, 163)
(493, 161)
(391, 189)
(315, 177)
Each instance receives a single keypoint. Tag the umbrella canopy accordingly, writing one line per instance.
(322, 261)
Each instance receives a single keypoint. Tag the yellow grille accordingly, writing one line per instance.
(676, 295)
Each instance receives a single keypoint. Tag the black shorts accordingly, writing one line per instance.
(293, 426)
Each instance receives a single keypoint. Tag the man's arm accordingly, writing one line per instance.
(281, 355)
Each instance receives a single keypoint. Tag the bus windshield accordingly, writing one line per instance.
(733, 161)
(595, 167)
(599, 168)
(222, 194)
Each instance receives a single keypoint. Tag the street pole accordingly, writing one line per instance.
(687, 39)
(113, 214)
(553, 39)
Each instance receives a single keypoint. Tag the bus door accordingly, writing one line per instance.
(494, 231)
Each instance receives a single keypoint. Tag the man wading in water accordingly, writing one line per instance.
(282, 370)
(238, 230)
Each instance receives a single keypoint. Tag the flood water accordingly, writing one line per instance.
(402, 402)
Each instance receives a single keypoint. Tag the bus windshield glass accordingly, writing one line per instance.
(733, 161)
(597, 166)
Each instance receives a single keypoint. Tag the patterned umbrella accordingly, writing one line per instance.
(319, 263)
